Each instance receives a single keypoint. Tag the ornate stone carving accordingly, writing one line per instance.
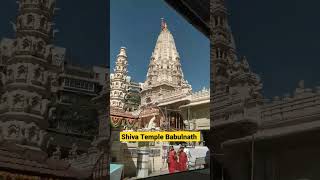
(13, 131)
(162, 73)
(35, 103)
(58, 56)
(40, 47)
(22, 72)
(37, 73)
(57, 153)
(44, 106)
(73, 152)
(30, 20)
(10, 74)
(18, 101)
(33, 133)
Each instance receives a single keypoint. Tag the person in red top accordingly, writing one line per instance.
(172, 160)
(183, 159)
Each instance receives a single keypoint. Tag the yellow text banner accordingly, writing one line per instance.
(177, 136)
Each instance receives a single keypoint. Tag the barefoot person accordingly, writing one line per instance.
(172, 160)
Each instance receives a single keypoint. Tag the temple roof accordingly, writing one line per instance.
(122, 113)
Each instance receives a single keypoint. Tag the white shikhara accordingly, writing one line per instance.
(165, 76)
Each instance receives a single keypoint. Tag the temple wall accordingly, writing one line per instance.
(296, 164)
(287, 164)
(126, 154)
(303, 103)
(84, 161)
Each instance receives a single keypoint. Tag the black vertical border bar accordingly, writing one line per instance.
(108, 85)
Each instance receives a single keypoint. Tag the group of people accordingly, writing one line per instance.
(177, 161)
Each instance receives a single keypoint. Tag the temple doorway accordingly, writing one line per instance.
(175, 121)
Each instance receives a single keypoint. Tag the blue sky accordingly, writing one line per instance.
(280, 38)
(136, 26)
(83, 29)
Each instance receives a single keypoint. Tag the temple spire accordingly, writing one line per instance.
(119, 80)
(223, 46)
(225, 65)
(164, 73)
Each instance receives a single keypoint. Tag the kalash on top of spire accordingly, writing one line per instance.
(165, 74)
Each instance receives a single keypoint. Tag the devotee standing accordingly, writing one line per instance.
(172, 160)
(182, 160)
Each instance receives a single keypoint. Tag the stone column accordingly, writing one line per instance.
(143, 162)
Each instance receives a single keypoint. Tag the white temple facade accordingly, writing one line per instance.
(167, 104)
